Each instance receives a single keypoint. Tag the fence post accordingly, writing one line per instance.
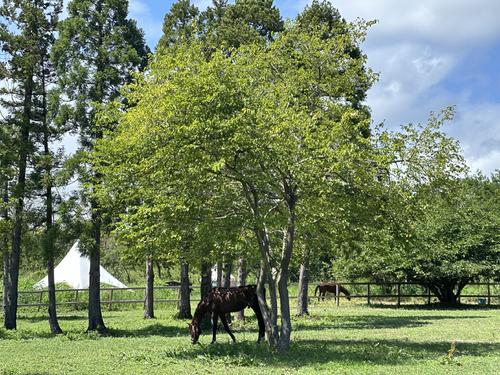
(399, 294)
(368, 294)
(40, 300)
(489, 293)
(111, 299)
(76, 297)
(337, 295)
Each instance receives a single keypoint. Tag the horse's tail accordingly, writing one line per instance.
(316, 290)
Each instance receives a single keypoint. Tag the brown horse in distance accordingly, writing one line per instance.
(331, 287)
(225, 300)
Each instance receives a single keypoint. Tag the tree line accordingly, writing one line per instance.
(242, 137)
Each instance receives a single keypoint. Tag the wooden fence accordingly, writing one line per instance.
(488, 298)
(114, 296)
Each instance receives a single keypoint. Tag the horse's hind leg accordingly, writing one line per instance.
(226, 326)
(260, 320)
(215, 318)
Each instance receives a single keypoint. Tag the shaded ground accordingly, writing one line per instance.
(350, 339)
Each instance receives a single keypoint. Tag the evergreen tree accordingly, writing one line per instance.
(179, 24)
(25, 38)
(244, 22)
(46, 160)
(97, 51)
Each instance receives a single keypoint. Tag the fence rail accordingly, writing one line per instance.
(130, 295)
(427, 295)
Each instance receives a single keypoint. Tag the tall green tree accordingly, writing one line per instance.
(179, 24)
(456, 238)
(25, 31)
(322, 19)
(435, 225)
(98, 50)
(231, 25)
(245, 139)
(221, 27)
(47, 161)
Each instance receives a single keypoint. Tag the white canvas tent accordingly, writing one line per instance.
(74, 271)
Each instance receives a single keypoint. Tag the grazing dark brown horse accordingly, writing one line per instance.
(225, 300)
(331, 287)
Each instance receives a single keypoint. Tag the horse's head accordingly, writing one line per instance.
(195, 332)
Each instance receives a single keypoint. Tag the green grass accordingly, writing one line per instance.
(351, 339)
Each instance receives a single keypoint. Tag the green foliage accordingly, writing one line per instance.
(179, 24)
(435, 224)
(244, 22)
(205, 126)
(97, 51)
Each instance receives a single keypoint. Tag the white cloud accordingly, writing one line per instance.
(450, 22)
(407, 73)
(477, 127)
(416, 46)
(487, 163)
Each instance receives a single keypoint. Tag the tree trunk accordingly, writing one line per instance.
(219, 274)
(242, 281)
(149, 292)
(226, 276)
(12, 258)
(269, 313)
(445, 293)
(53, 322)
(206, 280)
(303, 297)
(49, 254)
(49, 228)
(185, 292)
(226, 281)
(158, 270)
(205, 288)
(96, 323)
(5, 247)
(288, 239)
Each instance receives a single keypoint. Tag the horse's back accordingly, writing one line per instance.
(225, 300)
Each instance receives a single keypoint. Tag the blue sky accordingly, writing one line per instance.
(429, 53)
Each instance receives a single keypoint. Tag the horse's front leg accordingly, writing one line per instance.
(215, 318)
(226, 326)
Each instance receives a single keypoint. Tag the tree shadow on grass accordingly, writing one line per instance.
(155, 329)
(315, 352)
(374, 322)
(435, 306)
(24, 335)
(35, 319)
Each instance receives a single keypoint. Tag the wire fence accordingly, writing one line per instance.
(395, 293)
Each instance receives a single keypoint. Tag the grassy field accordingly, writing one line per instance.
(351, 339)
